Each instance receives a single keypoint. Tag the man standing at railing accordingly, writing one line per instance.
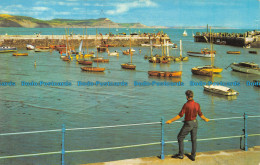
(191, 109)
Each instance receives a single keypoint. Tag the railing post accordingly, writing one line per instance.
(63, 145)
(245, 131)
(162, 138)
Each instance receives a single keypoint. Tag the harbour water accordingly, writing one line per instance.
(33, 107)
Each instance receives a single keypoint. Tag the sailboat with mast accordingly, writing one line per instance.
(181, 58)
(207, 70)
(129, 65)
(185, 33)
(93, 69)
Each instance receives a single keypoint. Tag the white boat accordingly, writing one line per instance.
(246, 67)
(132, 50)
(30, 47)
(203, 53)
(159, 45)
(115, 53)
(145, 45)
(185, 33)
(222, 90)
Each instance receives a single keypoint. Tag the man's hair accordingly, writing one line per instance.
(189, 94)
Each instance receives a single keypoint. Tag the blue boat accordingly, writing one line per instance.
(5, 49)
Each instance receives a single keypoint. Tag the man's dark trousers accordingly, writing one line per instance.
(188, 126)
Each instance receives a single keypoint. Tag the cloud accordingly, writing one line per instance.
(125, 7)
(40, 8)
(61, 3)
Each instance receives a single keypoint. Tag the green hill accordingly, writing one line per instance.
(29, 22)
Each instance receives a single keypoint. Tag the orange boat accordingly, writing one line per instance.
(165, 73)
(93, 69)
(20, 54)
(233, 52)
(128, 66)
(85, 62)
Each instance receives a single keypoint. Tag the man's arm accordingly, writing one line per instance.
(173, 119)
(204, 118)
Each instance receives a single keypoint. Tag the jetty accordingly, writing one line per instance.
(227, 157)
(20, 41)
(250, 39)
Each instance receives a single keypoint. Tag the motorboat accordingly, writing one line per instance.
(165, 73)
(246, 67)
(4, 49)
(219, 89)
(203, 53)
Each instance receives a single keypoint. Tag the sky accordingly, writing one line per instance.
(181, 13)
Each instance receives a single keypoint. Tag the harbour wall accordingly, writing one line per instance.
(250, 39)
(233, 41)
(20, 41)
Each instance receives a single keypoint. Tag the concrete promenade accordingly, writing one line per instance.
(226, 157)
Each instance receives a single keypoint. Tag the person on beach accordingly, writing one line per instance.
(191, 109)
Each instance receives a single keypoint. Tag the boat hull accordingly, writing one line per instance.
(92, 69)
(199, 54)
(100, 60)
(165, 74)
(238, 68)
(222, 90)
(5, 49)
(233, 52)
(128, 66)
(20, 54)
(83, 62)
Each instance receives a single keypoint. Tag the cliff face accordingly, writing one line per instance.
(29, 22)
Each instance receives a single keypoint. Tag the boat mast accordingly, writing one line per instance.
(211, 54)
(130, 48)
(87, 39)
(211, 49)
(151, 46)
(180, 48)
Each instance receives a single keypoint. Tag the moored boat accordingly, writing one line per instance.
(127, 52)
(219, 89)
(30, 47)
(4, 49)
(252, 52)
(93, 69)
(101, 48)
(233, 52)
(204, 53)
(256, 83)
(128, 66)
(246, 67)
(177, 59)
(100, 59)
(185, 33)
(206, 70)
(85, 62)
(115, 53)
(20, 54)
(165, 73)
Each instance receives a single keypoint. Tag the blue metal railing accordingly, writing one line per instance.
(162, 142)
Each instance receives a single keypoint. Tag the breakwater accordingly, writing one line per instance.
(20, 41)
(249, 39)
